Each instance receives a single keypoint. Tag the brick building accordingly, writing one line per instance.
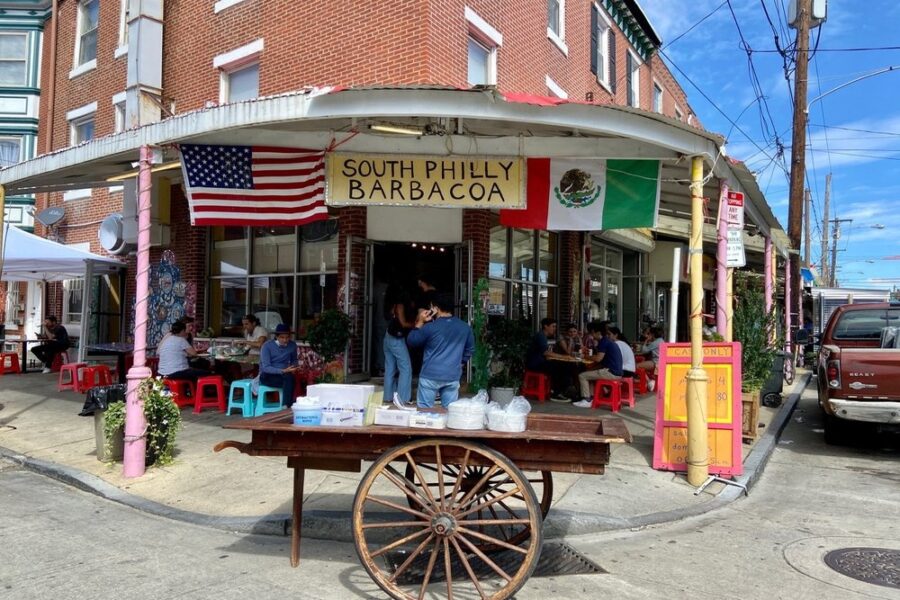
(118, 70)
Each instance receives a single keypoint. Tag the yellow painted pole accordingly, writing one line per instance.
(698, 443)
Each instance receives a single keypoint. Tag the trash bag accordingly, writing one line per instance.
(98, 398)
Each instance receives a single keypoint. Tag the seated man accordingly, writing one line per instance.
(628, 365)
(606, 362)
(538, 358)
(174, 351)
(255, 335)
(277, 363)
(650, 349)
(57, 342)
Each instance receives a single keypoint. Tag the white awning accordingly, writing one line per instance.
(27, 257)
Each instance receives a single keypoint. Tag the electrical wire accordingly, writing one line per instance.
(691, 28)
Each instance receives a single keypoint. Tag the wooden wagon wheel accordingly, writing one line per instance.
(440, 531)
(541, 482)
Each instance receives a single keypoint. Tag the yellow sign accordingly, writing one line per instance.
(398, 180)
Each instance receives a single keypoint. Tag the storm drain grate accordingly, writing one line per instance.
(556, 559)
(878, 566)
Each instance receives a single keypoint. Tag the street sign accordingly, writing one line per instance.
(735, 257)
(735, 209)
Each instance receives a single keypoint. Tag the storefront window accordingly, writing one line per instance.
(522, 255)
(282, 288)
(498, 251)
(606, 283)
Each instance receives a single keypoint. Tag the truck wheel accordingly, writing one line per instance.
(836, 430)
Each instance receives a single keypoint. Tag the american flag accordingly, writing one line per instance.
(254, 185)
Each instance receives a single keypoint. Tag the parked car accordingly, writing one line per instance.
(859, 369)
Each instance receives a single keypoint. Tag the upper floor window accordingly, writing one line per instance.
(10, 151)
(123, 29)
(13, 59)
(633, 79)
(556, 23)
(86, 44)
(482, 50)
(657, 98)
(81, 123)
(678, 114)
(602, 47)
(239, 72)
(118, 102)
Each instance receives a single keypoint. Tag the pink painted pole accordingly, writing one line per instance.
(787, 299)
(135, 442)
(768, 274)
(722, 262)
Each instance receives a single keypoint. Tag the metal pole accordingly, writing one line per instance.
(787, 299)
(673, 295)
(698, 442)
(135, 442)
(826, 219)
(798, 143)
(86, 309)
(767, 269)
(722, 261)
(729, 305)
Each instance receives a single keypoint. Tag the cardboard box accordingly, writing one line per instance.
(343, 418)
(392, 417)
(341, 394)
(427, 420)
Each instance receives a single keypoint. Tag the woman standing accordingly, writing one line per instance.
(396, 355)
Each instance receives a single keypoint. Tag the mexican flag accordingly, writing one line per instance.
(588, 195)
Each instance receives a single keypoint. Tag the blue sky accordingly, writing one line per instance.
(854, 132)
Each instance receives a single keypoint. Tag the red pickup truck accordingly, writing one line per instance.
(858, 379)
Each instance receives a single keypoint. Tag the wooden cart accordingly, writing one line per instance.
(441, 510)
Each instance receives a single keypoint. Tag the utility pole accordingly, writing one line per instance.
(798, 142)
(825, 221)
(807, 235)
(836, 235)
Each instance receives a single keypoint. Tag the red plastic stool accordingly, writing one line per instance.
(201, 401)
(642, 378)
(536, 384)
(14, 366)
(183, 391)
(59, 360)
(153, 363)
(92, 376)
(608, 391)
(74, 371)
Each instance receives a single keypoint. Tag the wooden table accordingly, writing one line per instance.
(120, 350)
(446, 493)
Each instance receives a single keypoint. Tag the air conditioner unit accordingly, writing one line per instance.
(119, 232)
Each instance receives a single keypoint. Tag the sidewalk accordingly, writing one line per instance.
(41, 430)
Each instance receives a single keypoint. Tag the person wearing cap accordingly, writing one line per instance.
(277, 363)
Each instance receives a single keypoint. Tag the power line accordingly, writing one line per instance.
(888, 133)
(691, 28)
(778, 50)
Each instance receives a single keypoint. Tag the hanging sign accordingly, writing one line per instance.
(722, 363)
(735, 256)
(735, 209)
(399, 180)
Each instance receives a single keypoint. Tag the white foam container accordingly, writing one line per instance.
(465, 414)
(501, 421)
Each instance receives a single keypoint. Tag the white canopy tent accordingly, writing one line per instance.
(27, 257)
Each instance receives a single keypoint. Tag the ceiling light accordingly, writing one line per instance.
(389, 128)
(131, 174)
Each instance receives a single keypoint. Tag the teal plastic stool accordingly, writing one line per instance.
(246, 402)
(263, 407)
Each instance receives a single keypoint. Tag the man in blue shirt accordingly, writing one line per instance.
(277, 363)
(606, 362)
(539, 358)
(448, 343)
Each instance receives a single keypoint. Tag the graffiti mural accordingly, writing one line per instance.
(170, 298)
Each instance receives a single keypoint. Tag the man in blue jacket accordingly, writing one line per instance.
(448, 343)
(277, 363)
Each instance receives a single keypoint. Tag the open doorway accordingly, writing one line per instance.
(401, 264)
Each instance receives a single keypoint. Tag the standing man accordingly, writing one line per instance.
(56, 342)
(448, 343)
(606, 362)
(277, 363)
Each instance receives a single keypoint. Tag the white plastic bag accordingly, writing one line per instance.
(510, 418)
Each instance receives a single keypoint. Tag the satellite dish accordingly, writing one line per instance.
(111, 234)
(50, 216)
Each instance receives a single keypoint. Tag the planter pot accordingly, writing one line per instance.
(502, 396)
(117, 444)
(335, 371)
(749, 414)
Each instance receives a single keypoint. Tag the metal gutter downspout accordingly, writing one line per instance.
(51, 81)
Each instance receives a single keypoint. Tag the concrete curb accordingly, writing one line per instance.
(336, 525)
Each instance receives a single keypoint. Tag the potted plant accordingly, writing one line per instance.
(481, 357)
(754, 328)
(508, 341)
(163, 419)
(328, 336)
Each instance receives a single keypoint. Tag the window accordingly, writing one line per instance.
(292, 275)
(657, 98)
(13, 59)
(556, 23)
(86, 43)
(122, 47)
(12, 303)
(606, 283)
(601, 32)
(678, 114)
(555, 89)
(482, 50)
(10, 151)
(73, 290)
(522, 274)
(633, 79)
(119, 108)
(239, 72)
(82, 130)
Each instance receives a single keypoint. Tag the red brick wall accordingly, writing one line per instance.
(352, 223)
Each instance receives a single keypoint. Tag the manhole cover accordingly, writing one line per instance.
(556, 559)
(879, 566)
